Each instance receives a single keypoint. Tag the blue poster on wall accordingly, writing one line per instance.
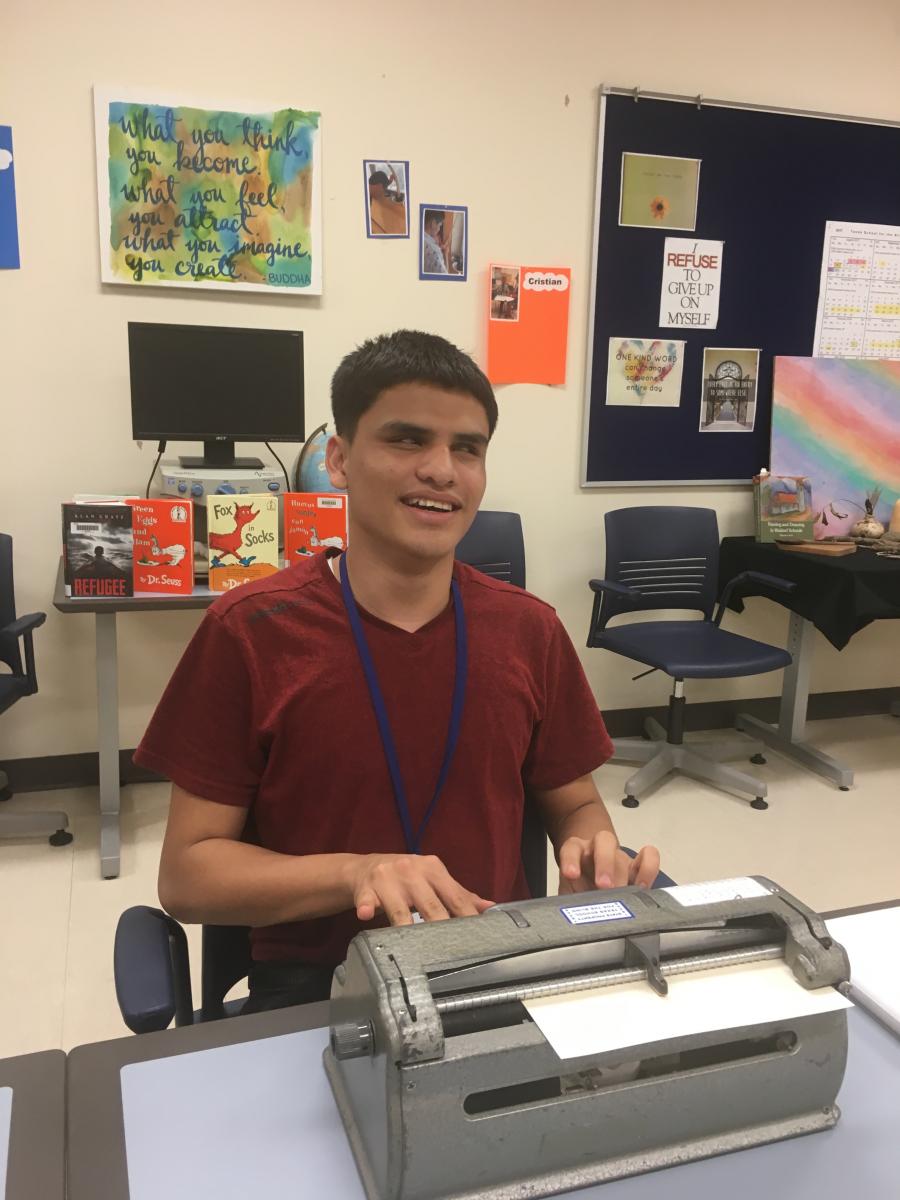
(9, 232)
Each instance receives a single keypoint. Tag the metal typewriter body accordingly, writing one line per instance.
(448, 1089)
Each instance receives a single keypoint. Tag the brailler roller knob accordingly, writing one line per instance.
(353, 1041)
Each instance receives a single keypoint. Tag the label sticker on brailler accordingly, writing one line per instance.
(742, 888)
(592, 914)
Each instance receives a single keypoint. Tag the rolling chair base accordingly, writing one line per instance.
(700, 760)
(53, 825)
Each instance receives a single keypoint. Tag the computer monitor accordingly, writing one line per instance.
(216, 385)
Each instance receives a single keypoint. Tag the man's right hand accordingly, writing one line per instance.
(398, 884)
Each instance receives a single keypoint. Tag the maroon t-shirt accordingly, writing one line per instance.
(269, 710)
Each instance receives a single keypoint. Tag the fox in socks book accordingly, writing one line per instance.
(243, 539)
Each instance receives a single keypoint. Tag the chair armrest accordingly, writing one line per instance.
(773, 582)
(23, 625)
(621, 590)
(151, 969)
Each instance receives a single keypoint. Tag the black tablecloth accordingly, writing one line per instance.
(839, 595)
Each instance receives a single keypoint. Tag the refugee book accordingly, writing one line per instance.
(97, 550)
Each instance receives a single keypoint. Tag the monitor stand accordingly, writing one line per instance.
(218, 453)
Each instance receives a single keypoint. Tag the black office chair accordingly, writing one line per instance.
(668, 558)
(495, 545)
(20, 682)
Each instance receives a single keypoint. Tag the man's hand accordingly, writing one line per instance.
(588, 864)
(397, 884)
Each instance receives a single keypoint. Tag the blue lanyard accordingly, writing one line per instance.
(413, 839)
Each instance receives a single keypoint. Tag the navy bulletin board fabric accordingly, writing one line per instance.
(768, 183)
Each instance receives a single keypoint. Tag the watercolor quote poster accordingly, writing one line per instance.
(193, 196)
(644, 372)
(837, 422)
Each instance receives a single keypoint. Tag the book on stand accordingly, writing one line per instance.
(313, 522)
(98, 546)
(163, 546)
(242, 536)
(782, 508)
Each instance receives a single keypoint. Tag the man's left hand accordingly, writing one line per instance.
(590, 864)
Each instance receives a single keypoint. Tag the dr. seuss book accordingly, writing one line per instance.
(313, 521)
(242, 538)
(97, 550)
(163, 546)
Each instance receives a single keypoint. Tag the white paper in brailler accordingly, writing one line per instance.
(632, 1014)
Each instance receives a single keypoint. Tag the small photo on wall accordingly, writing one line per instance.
(658, 192)
(728, 400)
(505, 293)
(443, 241)
(387, 198)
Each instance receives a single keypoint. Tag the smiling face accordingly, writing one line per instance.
(414, 471)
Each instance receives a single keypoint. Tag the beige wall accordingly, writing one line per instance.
(398, 79)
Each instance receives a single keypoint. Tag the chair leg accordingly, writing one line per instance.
(52, 825)
(634, 750)
(662, 763)
(722, 751)
(704, 769)
(654, 731)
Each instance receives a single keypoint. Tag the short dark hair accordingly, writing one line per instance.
(407, 356)
(379, 177)
(433, 214)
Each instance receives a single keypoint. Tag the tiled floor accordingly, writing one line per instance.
(830, 848)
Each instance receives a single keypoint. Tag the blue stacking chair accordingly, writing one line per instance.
(668, 558)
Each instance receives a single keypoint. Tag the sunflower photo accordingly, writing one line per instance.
(658, 192)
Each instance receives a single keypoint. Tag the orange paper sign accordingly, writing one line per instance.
(528, 324)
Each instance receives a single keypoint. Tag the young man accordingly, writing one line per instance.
(350, 740)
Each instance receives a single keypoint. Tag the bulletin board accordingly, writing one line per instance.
(769, 180)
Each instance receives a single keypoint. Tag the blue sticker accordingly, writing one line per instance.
(593, 914)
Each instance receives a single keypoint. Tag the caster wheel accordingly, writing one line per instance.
(759, 803)
(758, 759)
(630, 802)
(844, 787)
(6, 793)
(62, 837)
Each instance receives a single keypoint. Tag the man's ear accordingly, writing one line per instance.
(337, 451)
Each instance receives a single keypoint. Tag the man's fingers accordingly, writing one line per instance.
(645, 867)
(366, 904)
(427, 903)
(483, 905)
(571, 853)
(623, 863)
(605, 851)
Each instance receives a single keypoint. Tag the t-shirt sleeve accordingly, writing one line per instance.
(570, 739)
(202, 735)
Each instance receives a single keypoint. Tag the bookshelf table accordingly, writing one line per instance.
(105, 612)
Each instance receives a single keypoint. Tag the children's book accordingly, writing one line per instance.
(97, 550)
(313, 522)
(163, 546)
(242, 535)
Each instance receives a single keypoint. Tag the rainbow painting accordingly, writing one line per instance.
(837, 422)
(194, 196)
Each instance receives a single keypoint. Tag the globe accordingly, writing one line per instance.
(310, 473)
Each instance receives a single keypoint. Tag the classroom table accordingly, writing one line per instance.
(858, 1156)
(837, 596)
(34, 1137)
(105, 614)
